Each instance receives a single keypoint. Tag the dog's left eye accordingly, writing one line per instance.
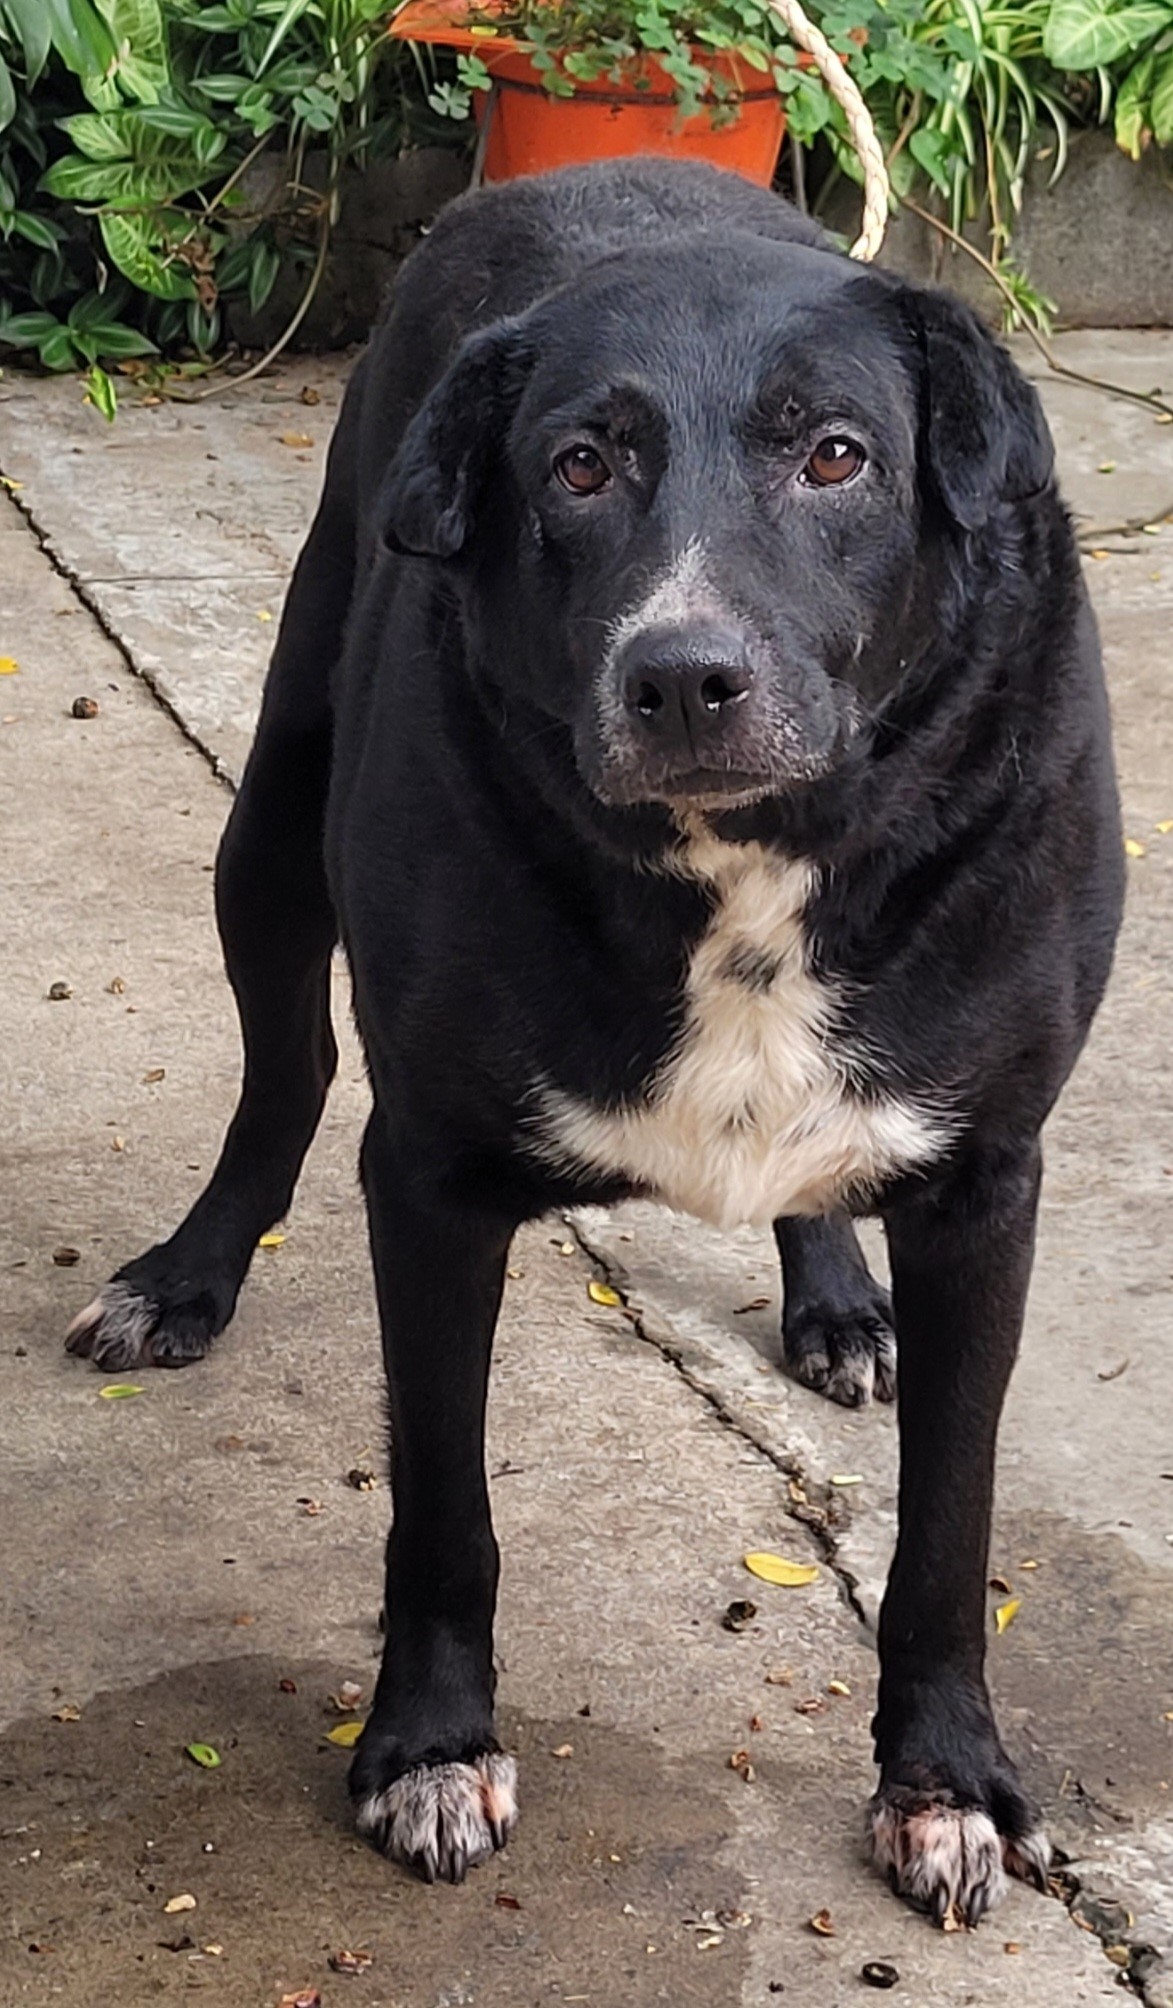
(582, 470)
(833, 461)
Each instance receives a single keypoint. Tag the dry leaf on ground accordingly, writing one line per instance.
(776, 1569)
(350, 1962)
(1006, 1614)
(602, 1293)
(346, 1734)
(177, 1903)
(822, 1923)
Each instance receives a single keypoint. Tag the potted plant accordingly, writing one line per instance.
(556, 81)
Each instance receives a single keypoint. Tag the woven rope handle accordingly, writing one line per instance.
(859, 124)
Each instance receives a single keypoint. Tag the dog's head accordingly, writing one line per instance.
(688, 500)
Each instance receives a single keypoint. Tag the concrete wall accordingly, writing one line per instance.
(1099, 243)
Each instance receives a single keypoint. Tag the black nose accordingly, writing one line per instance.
(681, 686)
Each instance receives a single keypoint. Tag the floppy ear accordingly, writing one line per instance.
(429, 498)
(987, 440)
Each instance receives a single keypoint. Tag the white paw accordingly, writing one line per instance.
(949, 1860)
(441, 1819)
(115, 1329)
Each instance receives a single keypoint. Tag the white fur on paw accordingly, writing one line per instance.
(946, 1859)
(441, 1819)
(1028, 1858)
(115, 1329)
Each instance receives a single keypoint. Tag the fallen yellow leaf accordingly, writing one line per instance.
(847, 1478)
(346, 1734)
(271, 1241)
(1006, 1614)
(1106, 467)
(602, 1293)
(1099, 554)
(296, 439)
(775, 1569)
(177, 1903)
(9, 666)
(121, 1391)
(1133, 849)
(1164, 828)
(6, 481)
(263, 614)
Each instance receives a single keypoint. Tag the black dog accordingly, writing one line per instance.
(688, 711)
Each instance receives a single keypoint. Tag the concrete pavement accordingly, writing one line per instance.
(172, 1578)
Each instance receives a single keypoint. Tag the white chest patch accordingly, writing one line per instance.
(757, 1112)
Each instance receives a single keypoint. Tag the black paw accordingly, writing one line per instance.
(847, 1354)
(135, 1321)
(438, 1819)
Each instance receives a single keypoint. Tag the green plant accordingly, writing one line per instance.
(1128, 44)
(127, 131)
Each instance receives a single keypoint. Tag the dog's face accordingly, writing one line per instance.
(688, 500)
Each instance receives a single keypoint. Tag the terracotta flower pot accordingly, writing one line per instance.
(529, 131)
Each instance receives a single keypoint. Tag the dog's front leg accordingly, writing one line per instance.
(950, 1816)
(430, 1785)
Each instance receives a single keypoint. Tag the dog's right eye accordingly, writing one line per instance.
(582, 470)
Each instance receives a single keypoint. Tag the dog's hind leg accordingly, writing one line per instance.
(278, 930)
(837, 1332)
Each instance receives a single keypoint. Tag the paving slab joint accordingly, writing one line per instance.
(85, 598)
(807, 1501)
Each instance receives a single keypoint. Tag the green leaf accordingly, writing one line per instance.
(264, 266)
(931, 151)
(114, 340)
(80, 36)
(121, 1390)
(140, 184)
(96, 307)
(1133, 115)
(129, 241)
(7, 95)
(223, 88)
(35, 230)
(1086, 34)
(99, 137)
(34, 29)
(203, 1755)
(291, 12)
(24, 331)
(100, 392)
(1162, 101)
(175, 119)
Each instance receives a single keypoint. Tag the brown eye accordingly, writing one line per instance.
(582, 470)
(833, 460)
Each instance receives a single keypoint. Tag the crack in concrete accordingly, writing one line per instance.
(1104, 1916)
(802, 1501)
(77, 586)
